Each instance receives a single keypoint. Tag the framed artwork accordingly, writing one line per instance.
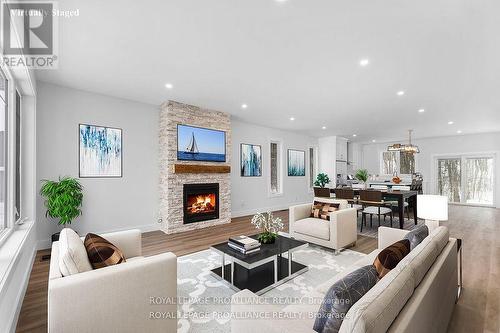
(296, 163)
(250, 160)
(100, 150)
(200, 144)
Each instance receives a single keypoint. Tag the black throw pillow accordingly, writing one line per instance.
(342, 296)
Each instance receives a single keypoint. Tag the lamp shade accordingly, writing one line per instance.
(432, 207)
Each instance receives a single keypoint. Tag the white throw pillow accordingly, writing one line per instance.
(73, 257)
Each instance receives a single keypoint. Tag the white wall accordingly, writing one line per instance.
(251, 194)
(328, 158)
(109, 203)
(432, 147)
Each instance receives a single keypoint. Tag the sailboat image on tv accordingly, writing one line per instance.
(200, 144)
(192, 148)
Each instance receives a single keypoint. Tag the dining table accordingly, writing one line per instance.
(396, 195)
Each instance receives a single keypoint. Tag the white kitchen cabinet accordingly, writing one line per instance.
(341, 149)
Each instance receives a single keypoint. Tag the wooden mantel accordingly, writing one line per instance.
(200, 168)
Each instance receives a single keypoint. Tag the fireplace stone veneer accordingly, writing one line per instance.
(171, 184)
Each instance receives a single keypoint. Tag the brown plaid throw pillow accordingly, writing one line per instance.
(322, 210)
(101, 252)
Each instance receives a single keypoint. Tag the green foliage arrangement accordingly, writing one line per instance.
(321, 180)
(362, 175)
(63, 199)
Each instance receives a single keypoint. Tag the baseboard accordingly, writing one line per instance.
(20, 297)
(263, 210)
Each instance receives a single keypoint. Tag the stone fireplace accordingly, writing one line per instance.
(180, 208)
(201, 202)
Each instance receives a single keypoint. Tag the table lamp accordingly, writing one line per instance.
(432, 208)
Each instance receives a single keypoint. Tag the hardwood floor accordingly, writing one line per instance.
(478, 310)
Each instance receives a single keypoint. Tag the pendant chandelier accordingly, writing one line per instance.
(407, 148)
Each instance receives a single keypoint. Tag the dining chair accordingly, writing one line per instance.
(374, 205)
(406, 205)
(347, 193)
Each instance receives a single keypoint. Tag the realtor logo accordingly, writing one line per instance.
(28, 33)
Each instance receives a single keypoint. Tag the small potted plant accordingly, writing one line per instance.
(63, 200)
(319, 190)
(362, 176)
(269, 225)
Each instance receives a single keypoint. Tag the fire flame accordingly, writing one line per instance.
(202, 204)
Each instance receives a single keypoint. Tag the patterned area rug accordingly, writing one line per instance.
(205, 300)
(373, 231)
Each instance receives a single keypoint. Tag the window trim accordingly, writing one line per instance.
(279, 193)
(10, 220)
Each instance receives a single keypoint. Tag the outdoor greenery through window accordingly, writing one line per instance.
(3, 149)
(398, 162)
(275, 184)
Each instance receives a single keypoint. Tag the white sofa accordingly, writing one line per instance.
(336, 234)
(115, 298)
(417, 296)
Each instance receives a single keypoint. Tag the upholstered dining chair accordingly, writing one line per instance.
(374, 205)
(406, 206)
(347, 193)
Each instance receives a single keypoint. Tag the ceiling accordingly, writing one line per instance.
(295, 58)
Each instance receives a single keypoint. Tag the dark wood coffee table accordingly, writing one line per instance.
(262, 270)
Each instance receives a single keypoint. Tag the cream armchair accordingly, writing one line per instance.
(336, 234)
(136, 296)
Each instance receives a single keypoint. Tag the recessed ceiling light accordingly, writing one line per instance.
(459, 131)
(244, 106)
(374, 140)
(354, 135)
(169, 85)
(400, 93)
(324, 127)
(421, 111)
(292, 118)
(450, 123)
(364, 62)
(281, 0)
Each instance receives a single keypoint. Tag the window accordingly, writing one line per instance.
(3, 149)
(18, 157)
(398, 162)
(275, 181)
(312, 169)
(466, 179)
(389, 159)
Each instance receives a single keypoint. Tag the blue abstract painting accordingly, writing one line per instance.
(296, 162)
(251, 160)
(200, 144)
(100, 151)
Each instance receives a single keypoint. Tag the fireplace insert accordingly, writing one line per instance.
(201, 202)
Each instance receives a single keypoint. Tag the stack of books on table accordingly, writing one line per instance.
(244, 244)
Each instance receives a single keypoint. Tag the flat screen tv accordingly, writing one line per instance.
(200, 144)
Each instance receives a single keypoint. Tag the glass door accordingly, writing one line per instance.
(450, 178)
(479, 180)
(466, 179)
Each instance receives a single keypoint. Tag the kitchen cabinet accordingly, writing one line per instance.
(341, 149)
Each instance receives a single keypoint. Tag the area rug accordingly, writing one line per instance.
(373, 231)
(205, 301)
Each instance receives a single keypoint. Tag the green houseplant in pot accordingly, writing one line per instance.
(319, 190)
(362, 176)
(269, 225)
(63, 200)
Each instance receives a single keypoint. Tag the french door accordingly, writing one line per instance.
(466, 179)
